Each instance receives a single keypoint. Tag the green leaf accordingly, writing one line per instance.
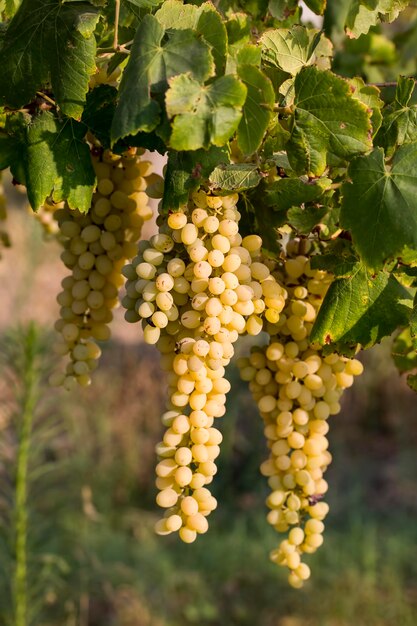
(317, 6)
(235, 177)
(99, 112)
(362, 14)
(281, 9)
(48, 41)
(257, 110)
(304, 220)
(50, 156)
(404, 352)
(327, 118)
(146, 4)
(58, 162)
(185, 173)
(399, 125)
(361, 308)
(176, 14)
(380, 205)
(204, 115)
(152, 62)
(369, 95)
(285, 193)
(290, 49)
(213, 29)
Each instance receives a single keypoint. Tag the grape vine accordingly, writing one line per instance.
(287, 213)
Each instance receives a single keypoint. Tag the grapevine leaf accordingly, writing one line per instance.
(186, 171)
(399, 124)
(151, 63)
(290, 49)
(257, 110)
(285, 193)
(412, 381)
(327, 118)
(304, 220)
(238, 28)
(58, 162)
(175, 14)
(369, 95)
(361, 308)
(404, 351)
(380, 205)
(235, 177)
(362, 14)
(49, 41)
(249, 54)
(281, 9)
(146, 4)
(204, 115)
(99, 111)
(213, 29)
(317, 6)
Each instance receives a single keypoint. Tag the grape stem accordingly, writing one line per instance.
(116, 24)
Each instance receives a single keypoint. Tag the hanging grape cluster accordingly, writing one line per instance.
(297, 389)
(196, 286)
(96, 247)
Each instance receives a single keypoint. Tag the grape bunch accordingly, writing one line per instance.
(197, 286)
(297, 389)
(96, 247)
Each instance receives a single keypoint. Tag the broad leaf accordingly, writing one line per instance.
(285, 193)
(362, 14)
(304, 220)
(281, 9)
(289, 49)
(369, 95)
(204, 114)
(146, 4)
(399, 125)
(257, 110)
(186, 171)
(211, 25)
(175, 14)
(51, 157)
(99, 111)
(327, 118)
(48, 41)
(404, 351)
(380, 205)
(360, 308)
(317, 6)
(58, 162)
(235, 177)
(151, 63)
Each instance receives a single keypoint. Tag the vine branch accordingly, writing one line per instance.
(116, 24)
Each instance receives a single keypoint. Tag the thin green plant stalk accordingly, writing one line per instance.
(30, 384)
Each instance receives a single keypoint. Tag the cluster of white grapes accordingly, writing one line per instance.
(297, 388)
(4, 237)
(196, 286)
(97, 245)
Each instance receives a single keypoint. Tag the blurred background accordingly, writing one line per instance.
(93, 558)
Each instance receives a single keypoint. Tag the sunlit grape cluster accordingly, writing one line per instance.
(297, 389)
(196, 286)
(96, 247)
